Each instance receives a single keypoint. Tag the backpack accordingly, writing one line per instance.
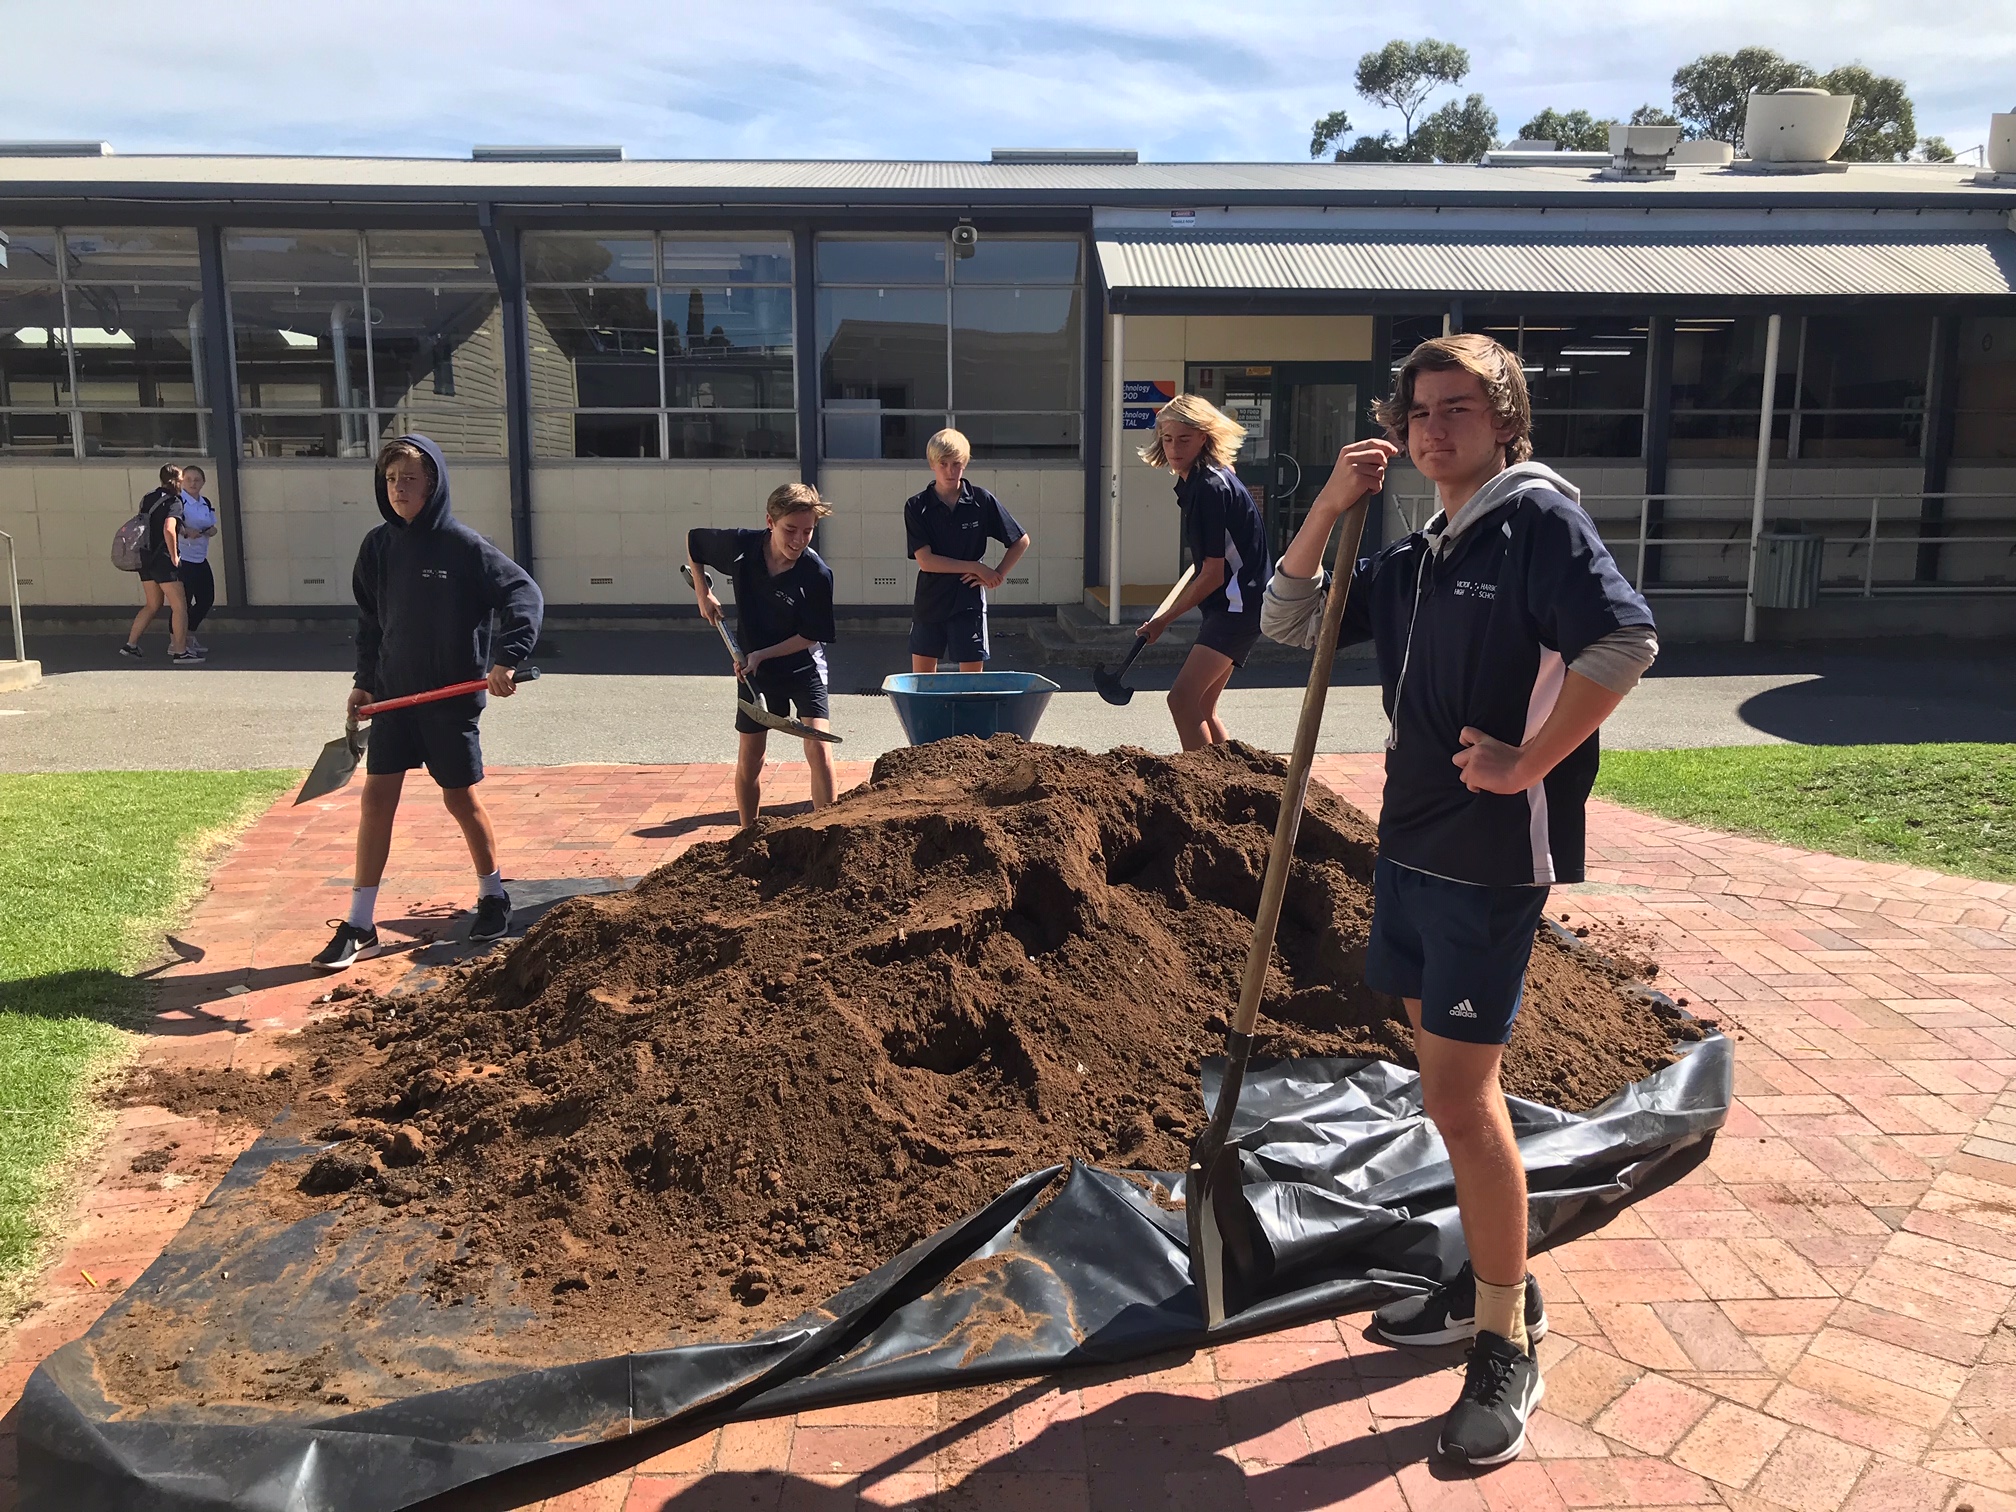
(129, 543)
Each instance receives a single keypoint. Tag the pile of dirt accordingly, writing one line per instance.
(695, 1109)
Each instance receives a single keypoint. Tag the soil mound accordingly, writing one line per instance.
(696, 1108)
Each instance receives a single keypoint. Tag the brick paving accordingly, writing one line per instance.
(1820, 1318)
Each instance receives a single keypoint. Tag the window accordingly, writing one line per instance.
(913, 338)
(101, 344)
(1984, 397)
(345, 338)
(675, 345)
(1848, 385)
(1586, 376)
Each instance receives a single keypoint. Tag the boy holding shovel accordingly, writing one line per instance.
(427, 588)
(784, 606)
(1505, 636)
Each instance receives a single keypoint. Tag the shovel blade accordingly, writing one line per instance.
(784, 725)
(1207, 1243)
(1110, 687)
(334, 767)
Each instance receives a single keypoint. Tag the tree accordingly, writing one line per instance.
(1327, 132)
(1712, 93)
(1571, 131)
(1652, 115)
(1883, 127)
(1934, 150)
(1401, 75)
(1456, 133)
(1374, 149)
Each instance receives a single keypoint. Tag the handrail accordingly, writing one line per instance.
(14, 598)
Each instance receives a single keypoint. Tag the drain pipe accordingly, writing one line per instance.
(1119, 455)
(339, 347)
(196, 369)
(1771, 335)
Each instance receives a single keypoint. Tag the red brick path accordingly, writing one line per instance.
(1818, 1318)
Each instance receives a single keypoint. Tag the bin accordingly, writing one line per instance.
(1788, 568)
(934, 705)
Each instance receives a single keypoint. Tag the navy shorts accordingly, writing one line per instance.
(960, 638)
(781, 692)
(1231, 635)
(440, 737)
(156, 568)
(1461, 949)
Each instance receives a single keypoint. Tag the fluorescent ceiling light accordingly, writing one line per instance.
(296, 339)
(1596, 352)
(98, 336)
(39, 336)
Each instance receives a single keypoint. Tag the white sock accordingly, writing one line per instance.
(491, 884)
(363, 906)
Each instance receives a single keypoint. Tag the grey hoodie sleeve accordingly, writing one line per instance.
(1292, 611)
(1617, 660)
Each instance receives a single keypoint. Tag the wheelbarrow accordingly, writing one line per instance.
(935, 705)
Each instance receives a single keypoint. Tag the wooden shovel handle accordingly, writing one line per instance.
(1275, 886)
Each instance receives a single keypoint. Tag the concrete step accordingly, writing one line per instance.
(16, 675)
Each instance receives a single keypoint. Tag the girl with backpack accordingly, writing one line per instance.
(160, 576)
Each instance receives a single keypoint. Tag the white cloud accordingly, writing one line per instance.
(785, 78)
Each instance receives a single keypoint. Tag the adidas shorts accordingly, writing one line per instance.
(1460, 948)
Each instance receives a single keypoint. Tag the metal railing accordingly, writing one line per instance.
(1868, 540)
(14, 598)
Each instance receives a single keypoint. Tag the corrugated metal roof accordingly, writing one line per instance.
(1734, 267)
(871, 181)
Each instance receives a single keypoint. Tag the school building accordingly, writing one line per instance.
(611, 351)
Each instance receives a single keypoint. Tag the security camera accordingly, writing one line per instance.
(965, 237)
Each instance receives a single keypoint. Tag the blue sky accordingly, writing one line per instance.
(906, 78)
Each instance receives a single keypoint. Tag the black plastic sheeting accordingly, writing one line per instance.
(1346, 1181)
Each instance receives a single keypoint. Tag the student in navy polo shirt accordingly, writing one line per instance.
(949, 525)
(784, 610)
(1505, 636)
(1197, 441)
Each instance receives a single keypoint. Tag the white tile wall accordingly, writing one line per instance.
(62, 516)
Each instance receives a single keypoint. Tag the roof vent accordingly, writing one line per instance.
(1506, 157)
(1642, 152)
(546, 154)
(1533, 144)
(1795, 130)
(55, 149)
(1073, 155)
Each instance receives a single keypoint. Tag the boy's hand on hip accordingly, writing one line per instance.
(1489, 765)
(503, 682)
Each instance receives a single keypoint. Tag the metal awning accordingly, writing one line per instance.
(1711, 264)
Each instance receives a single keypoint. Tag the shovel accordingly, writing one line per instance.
(1215, 1212)
(750, 704)
(338, 762)
(1109, 684)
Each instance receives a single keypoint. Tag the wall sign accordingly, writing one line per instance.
(1137, 419)
(1147, 390)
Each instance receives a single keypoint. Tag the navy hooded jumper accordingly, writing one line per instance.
(426, 592)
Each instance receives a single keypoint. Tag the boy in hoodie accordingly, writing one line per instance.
(1505, 636)
(428, 589)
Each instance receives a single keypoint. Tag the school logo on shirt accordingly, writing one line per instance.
(1479, 590)
(435, 572)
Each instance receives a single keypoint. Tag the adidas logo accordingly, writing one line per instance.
(1463, 1010)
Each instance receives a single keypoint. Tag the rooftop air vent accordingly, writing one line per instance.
(55, 149)
(546, 154)
(1795, 130)
(1642, 152)
(1073, 155)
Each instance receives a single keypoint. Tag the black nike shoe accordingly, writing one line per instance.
(493, 918)
(1448, 1314)
(1502, 1386)
(350, 945)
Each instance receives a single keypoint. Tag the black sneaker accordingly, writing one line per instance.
(1502, 1386)
(1448, 1314)
(129, 649)
(350, 945)
(493, 917)
(188, 657)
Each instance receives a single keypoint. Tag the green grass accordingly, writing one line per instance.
(93, 868)
(1948, 807)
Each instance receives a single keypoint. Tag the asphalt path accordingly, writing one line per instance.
(662, 696)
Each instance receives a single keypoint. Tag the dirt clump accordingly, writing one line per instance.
(695, 1109)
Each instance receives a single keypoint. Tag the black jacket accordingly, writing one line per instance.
(426, 593)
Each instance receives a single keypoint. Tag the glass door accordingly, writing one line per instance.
(1319, 408)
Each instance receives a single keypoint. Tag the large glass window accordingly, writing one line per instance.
(343, 338)
(913, 337)
(101, 344)
(1984, 395)
(677, 345)
(1586, 376)
(1848, 385)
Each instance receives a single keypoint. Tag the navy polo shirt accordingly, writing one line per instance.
(797, 601)
(1220, 519)
(959, 532)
